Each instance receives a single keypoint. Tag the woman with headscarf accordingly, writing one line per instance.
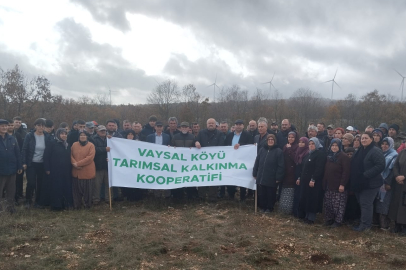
(301, 151)
(83, 171)
(289, 180)
(356, 144)
(377, 136)
(311, 181)
(268, 172)
(336, 176)
(57, 163)
(385, 193)
(367, 165)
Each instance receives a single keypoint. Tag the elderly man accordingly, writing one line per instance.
(206, 138)
(237, 138)
(253, 128)
(224, 129)
(10, 165)
(100, 160)
(260, 139)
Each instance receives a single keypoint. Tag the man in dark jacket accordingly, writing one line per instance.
(183, 139)
(282, 136)
(100, 160)
(159, 137)
(150, 127)
(206, 138)
(237, 138)
(10, 165)
(173, 127)
(137, 127)
(49, 128)
(260, 139)
(19, 134)
(73, 135)
(253, 129)
(111, 127)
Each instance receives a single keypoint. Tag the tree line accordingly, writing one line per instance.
(32, 98)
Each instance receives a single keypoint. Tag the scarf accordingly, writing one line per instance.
(390, 157)
(58, 137)
(331, 155)
(291, 151)
(85, 142)
(317, 144)
(301, 152)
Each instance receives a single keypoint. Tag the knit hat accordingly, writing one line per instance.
(384, 125)
(395, 127)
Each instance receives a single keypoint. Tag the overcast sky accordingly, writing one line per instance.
(84, 46)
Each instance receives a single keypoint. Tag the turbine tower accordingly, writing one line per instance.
(270, 82)
(402, 83)
(110, 93)
(332, 84)
(214, 88)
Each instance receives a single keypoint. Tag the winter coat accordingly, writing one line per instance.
(245, 138)
(373, 164)
(57, 160)
(183, 140)
(397, 208)
(282, 137)
(289, 181)
(269, 166)
(337, 173)
(73, 136)
(312, 169)
(260, 141)
(147, 130)
(83, 156)
(253, 133)
(29, 147)
(171, 135)
(208, 138)
(10, 158)
(100, 158)
(165, 138)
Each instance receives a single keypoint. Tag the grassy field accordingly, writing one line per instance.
(157, 235)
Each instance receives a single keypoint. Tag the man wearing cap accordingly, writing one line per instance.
(330, 132)
(349, 129)
(10, 165)
(89, 129)
(237, 138)
(206, 138)
(183, 139)
(150, 127)
(100, 160)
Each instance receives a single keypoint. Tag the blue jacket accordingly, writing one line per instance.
(166, 140)
(29, 147)
(10, 159)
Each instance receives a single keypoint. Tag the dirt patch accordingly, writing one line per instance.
(99, 236)
(320, 258)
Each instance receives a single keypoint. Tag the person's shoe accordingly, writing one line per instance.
(261, 210)
(360, 229)
(328, 223)
(335, 225)
(310, 222)
(27, 205)
(267, 211)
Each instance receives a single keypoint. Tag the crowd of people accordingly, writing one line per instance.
(350, 176)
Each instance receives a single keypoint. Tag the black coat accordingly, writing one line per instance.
(312, 168)
(368, 174)
(269, 166)
(140, 137)
(10, 159)
(100, 158)
(183, 140)
(208, 138)
(29, 147)
(73, 136)
(245, 139)
(282, 137)
(147, 130)
(57, 160)
(260, 141)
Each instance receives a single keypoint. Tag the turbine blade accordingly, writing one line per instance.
(210, 85)
(329, 81)
(399, 73)
(265, 82)
(215, 79)
(273, 76)
(335, 74)
(337, 84)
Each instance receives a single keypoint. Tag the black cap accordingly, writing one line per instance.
(274, 124)
(3, 122)
(239, 121)
(159, 123)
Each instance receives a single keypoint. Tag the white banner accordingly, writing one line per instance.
(150, 166)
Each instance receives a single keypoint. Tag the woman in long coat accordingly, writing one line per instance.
(336, 176)
(397, 208)
(268, 172)
(301, 152)
(289, 181)
(58, 166)
(385, 192)
(311, 181)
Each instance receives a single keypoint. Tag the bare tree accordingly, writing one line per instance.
(164, 95)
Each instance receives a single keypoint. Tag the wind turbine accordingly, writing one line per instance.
(402, 83)
(214, 88)
(110, 93)
(332, 84)
(270, 82)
